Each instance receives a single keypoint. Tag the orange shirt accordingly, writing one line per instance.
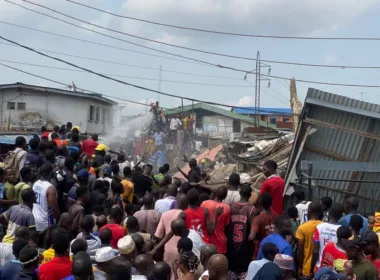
(60, 142)
(219, 238)
(128, 191)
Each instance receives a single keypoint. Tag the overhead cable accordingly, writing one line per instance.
(132, 65)
(124, 76)
(229, 33)
(119, 81)
(63, 84)
(173, 45)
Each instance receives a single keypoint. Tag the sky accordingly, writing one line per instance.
(326, 18)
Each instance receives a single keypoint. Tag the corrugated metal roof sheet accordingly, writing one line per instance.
(218, 111)
(11, 139)
(263, 111)
(347, 130)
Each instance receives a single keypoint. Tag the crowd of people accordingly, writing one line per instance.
(71, 213)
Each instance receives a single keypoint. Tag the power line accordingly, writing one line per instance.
(140, 87)
(124, 76)
(116, 38)
(119, 81)
(131, 65)
(281, 95)
(63, 84)
(173, 45)
(225, 33)
(96, 43)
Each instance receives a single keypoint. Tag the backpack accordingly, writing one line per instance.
(12, 161)
(72, 148)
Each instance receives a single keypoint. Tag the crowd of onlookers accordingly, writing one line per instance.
(71, 211)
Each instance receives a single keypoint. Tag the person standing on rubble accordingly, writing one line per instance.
(274, 185)
(194, 175)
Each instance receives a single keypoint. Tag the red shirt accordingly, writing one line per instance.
(330, 253)
(45, 135)
(88, 146)
(262, 225)
(117, 232)
(57, 269)
(196, 220)
(275, 186)
(219, 238)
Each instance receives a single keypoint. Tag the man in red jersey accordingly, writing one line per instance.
(274, 185)
(195, 215)
(334, 251)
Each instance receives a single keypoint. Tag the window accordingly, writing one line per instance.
(103, 115)
(92, 113)
(21, 106)
(285, 119)
(273, 120)
(97, 116)
(11, 105)
(109, 115)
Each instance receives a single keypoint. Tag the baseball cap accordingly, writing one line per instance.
(284, 261)
(126, 245)
(105, 254)
(83, 173)
(107, 170)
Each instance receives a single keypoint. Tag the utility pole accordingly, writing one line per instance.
(159, 83)
(257, 96)
(257, 88)
(362, 94)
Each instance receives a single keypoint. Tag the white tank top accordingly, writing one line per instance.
(41, 211)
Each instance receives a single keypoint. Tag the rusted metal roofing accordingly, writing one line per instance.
(347, 130)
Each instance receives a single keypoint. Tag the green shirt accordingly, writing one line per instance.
(9, 191)
(365, 271)
(159, 177)
(19, 188)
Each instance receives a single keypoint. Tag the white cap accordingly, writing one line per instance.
(126, 245)
(245, 178)
(105, 254)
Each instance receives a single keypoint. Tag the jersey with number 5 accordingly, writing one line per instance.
(240, 250)
(41, 208)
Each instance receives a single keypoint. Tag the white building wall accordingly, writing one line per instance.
(34, 109)
(220, 126)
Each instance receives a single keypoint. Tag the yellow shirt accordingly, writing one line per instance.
(305, 232)
(48, 255)
(128, 191)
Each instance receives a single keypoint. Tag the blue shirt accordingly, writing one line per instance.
(345, 221)
(283, 246)
(10, 270)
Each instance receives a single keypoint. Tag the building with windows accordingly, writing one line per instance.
(280, 117)
(215, 121)
(29, 107)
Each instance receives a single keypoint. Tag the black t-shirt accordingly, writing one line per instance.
(194, 175)
(142, 185)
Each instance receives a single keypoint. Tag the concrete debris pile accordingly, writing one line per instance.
(223, 172)
(257, 152)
